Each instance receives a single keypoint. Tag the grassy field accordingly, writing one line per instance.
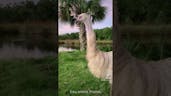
(75, 78)
(74, 75)
(32, 77)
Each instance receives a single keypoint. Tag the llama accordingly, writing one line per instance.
(100, 63)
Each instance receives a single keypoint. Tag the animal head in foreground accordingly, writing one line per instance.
(83, 17)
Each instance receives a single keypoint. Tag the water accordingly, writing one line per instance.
(70, 47)
(27, 41)
(63, 49)
(12, 51)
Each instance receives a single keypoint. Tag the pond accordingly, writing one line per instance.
(27, 41)
(62, 49)
(69, 47)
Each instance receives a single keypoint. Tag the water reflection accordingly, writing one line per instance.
(71, 47)
(28, 40)
(9, 51)
(62, 49)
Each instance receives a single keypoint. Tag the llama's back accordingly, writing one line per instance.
(101, 65)
(164, 67)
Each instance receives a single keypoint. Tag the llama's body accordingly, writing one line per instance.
(136, 77)
(164, 69)
(100, 65)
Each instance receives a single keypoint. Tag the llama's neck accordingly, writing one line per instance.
(121, 55)
(91, 37)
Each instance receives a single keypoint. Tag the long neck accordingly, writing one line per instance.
(91, 37)
(121, 54)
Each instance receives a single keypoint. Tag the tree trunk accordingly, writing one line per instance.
(82, 37)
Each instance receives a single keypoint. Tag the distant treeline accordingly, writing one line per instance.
(145, 11)
(43, 10)
(101, 34)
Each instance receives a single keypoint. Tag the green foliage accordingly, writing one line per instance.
(147, 42)
(104, 34)
(144, 11)
(148, 51)
(69, 36)
(43, 10)
(105, 47)
(131, 11)
(101, 34)
(74, 75)
(82, 6)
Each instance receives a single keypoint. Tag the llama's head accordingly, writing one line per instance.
(83, 17)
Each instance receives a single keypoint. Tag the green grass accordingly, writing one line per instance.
(75, 76)
(33, 77)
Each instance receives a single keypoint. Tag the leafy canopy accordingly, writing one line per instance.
(82, 6)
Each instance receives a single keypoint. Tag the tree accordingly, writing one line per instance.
(46, 9)
(71, 8)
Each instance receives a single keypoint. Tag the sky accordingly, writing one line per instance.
(64, 28)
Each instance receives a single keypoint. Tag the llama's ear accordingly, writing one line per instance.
(93, 18)
(73, 21)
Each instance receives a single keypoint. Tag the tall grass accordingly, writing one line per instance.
(75, 76)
